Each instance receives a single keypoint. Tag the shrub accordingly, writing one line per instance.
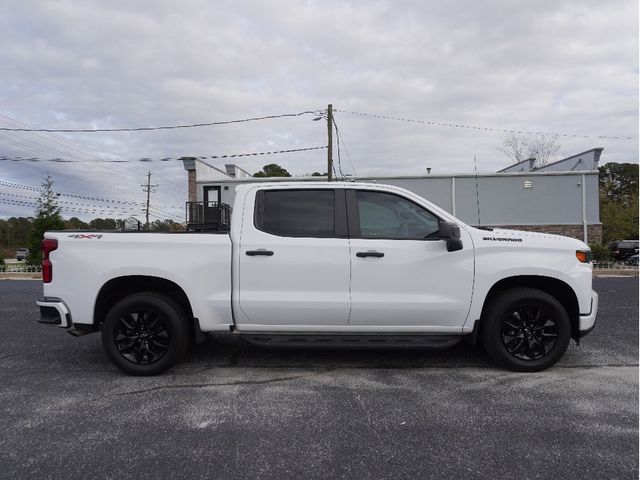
(600, 253)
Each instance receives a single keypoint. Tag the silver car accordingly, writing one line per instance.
(22, 253)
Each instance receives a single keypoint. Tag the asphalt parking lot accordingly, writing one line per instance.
(234, 411)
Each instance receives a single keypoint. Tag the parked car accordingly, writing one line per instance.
(623, 249)
(22, 253)
(633, 260)
(331, 264)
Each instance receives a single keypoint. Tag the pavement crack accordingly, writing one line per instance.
(2, 357)
(208, 385)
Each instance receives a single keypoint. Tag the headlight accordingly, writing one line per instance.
(583, 256)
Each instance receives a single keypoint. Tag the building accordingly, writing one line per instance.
(132, 224)
(582, 162)
(560, 198)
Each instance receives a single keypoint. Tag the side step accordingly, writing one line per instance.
(352, 341)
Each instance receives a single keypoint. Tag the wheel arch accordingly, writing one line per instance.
(558, 289)
(120, 287)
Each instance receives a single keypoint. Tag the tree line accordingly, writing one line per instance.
(619, 201)
(16, 232)
(21, 232)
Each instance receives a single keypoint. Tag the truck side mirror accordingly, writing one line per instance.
(450, 232)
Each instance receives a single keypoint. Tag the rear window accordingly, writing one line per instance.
(296, 213)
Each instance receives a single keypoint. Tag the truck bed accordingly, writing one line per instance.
(197, 263)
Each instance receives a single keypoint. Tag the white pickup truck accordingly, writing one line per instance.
(326, 264)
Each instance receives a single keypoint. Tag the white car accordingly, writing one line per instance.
(323, 263)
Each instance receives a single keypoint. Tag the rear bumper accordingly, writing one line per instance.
(53, 311)
(588, 321)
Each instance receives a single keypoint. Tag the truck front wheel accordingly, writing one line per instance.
(525, 330)
(145, 334)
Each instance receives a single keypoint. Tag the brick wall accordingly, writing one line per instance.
(192, 192)
(594, 231)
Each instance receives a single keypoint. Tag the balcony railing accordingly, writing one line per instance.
(208, 216)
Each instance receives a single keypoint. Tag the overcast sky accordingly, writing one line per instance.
(554, 66)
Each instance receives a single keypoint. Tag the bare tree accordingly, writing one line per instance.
(523, 147)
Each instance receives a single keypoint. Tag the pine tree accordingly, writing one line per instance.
(47, 218)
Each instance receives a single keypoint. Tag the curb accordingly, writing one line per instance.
(20, 276)
(615, 272)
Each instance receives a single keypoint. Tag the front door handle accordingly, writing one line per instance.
(253, 253)
(370, 253)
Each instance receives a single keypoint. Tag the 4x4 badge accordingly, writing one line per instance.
(86, 235)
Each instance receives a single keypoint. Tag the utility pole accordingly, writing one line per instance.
(147, 188)
(330, 142)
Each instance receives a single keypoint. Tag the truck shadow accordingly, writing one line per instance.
(229, 352)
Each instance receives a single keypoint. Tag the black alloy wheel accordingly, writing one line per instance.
(142, 336)
(145, 333)
(529, 332)
(525, 329)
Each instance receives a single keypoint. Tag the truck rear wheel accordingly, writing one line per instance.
(525, 330)
(145, 334)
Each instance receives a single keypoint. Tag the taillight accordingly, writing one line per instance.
(48, 246)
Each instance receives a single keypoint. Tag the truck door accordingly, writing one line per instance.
(401, 275)
(294, 266)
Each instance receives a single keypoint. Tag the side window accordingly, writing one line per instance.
(296, 213)
(384, 215)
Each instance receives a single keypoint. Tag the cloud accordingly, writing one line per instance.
(555, 66)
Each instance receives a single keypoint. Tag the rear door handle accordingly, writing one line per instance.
(253, 253)
(370, 253)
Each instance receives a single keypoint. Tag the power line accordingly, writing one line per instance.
(340, 139)
(64, 204)
(148, 159)
(72, 195)
(159, 211)
(60, 147)
(84, 208)
(338, 149)
(163, 127)
(22, 203)
(80, 204)
(486, 129)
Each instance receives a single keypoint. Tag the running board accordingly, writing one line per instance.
(352, 341)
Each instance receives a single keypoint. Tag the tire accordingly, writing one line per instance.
(145, 334)
(525, 330)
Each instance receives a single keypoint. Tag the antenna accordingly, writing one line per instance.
(475, 168)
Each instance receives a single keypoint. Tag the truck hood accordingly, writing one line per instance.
(504, 237)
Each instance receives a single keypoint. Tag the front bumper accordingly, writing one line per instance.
(588, 321)
(53, 311)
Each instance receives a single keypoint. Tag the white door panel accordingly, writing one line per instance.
(305, 282)
(401, 274)
(417, 282)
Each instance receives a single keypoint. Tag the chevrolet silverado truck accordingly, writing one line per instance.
(322, 264)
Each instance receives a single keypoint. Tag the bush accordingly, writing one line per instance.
(2, 264)
(600, 253)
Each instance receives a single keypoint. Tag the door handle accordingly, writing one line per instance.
(263, 252)
(370, 253)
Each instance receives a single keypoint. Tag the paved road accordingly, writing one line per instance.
(233, 411)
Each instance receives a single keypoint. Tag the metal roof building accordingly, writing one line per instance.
(561, 197)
